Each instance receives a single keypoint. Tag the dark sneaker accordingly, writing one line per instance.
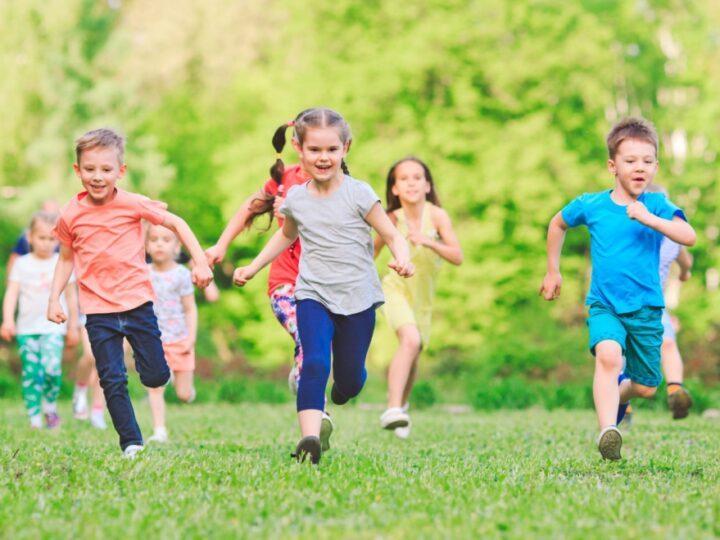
(679, 403)
(326, 429)
(622, 408)
(610, 443)
(52, 420)
(336, 397)
(308, 446)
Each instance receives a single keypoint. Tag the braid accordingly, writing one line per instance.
(344, 167)
(278, 142)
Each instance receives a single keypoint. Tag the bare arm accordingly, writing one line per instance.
(550, 288)
(63, 270)
(448, 247)
(279, 242)
(7, 331)
(685, 261)
(201, 273)
(71, 298)
(379, 243)
(235, 226)
(676, 229)
(379, 220)
(191, 317)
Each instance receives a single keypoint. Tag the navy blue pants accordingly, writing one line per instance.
(347, 337)
(106, 332)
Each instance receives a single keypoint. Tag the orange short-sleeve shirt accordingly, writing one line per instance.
(109, 250)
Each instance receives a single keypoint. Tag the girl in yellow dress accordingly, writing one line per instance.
(414, 208)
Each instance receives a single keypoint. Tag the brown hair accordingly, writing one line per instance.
(307, 119)
(101, 137)
(393, 201)
(631, 128)
(49, 218)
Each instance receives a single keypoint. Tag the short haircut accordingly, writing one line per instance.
(102, 137)
(631, 128)
(50, 218)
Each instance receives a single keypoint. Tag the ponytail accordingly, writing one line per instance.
(344, 167)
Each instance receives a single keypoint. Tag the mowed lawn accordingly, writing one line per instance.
(227, 473)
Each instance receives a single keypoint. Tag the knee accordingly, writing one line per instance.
(315, 367)
(411, 342)
(184, 394)
(155, 380)
(645, 392)
(608, 360)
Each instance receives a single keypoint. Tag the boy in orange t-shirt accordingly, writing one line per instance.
(101, 239)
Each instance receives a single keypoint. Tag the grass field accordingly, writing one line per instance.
(227, 474)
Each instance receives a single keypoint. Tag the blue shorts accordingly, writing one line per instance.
(639, 333)
(668, 328)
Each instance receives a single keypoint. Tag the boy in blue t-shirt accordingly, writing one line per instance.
(626, 227)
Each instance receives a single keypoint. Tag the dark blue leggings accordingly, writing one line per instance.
(349, 338)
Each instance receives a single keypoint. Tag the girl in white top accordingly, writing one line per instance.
(337, 289)
(40, 341)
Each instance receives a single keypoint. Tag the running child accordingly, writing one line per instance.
(40, 342)
(626, 227)
(86, 378)
(337, 289)
(100, 233)
(414, 208)
(176, 313)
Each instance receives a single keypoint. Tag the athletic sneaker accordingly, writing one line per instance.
(52, 420)
(308, 446)
(404, 432)
(336, 397)
(609, 443)
(679, 403)
(80, 405)
(293, 380)
(97, 419)
(326, 429)
(394, 418)
(160, 435)
(133, 450)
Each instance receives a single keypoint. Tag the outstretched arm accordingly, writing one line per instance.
(201, 273)
(379, 220)
(7, 331)
(685, 261)
(235, 226)
(676, 229)
(279, 242)
(550, 288)
(448, 247)
(63, 270)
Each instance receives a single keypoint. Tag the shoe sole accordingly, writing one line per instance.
(610, 444)
(326, 429)
(680, 405)
(308, 446)
(396, 424)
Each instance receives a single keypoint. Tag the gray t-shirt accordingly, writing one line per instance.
(336, 265)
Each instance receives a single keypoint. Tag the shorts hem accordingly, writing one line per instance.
(645, 381)
(610, 337)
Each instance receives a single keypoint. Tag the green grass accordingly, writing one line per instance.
(227, 474)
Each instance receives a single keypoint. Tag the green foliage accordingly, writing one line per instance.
(423, 395)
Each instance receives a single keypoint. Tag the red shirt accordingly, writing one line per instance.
(284, 269)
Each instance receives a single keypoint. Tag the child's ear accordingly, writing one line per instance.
(296, 145)
(394, 191)
(611, 166)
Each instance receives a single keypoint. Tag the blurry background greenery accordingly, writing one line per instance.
(508, 102)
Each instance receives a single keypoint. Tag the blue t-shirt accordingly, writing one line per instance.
(625, 253)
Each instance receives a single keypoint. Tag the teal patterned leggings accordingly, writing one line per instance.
(41, 356)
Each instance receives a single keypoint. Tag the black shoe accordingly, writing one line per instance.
(309, 445)
(336, 397)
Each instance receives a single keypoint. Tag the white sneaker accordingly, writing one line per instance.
(293, 380)
(80, 405)
(326, 429)
(133, 450)
(404, 432)
(610, 443)
(97, 419)
(160, 435)
(394, 418)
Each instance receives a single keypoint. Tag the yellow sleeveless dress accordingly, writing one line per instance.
(409, 301)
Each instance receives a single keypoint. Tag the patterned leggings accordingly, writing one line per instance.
(41, 357)
(282, 301)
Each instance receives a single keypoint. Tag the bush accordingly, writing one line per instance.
(9, 385)
(511, 393)
(423, 395)
(233, 391)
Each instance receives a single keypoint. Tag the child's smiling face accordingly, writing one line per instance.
(99, 169)
(321, 153)
(635, 165)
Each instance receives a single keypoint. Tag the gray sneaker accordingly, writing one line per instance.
(132, 451)
(326, 429)
(609, 443)
(308, 446)
(679, 403)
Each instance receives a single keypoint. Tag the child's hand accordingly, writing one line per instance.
(242, 275)
(72, 337)
(684, 275)
(638, 212)
(403, 268)
(7, 330)
(214, 254)
(278, 202)
(201, 275)
(550, 288)
(55, 312)
(189, 346)
(418, 239)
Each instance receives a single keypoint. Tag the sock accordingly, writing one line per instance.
(81, 388)
(160, 430)
(673, 387)
(36, 421)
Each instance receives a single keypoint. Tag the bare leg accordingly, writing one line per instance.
(310, 420)
(98, 397)
(156, 397)
(606, 395)
(401, 374)
(633, 390)
(672, 364)
(184, 388)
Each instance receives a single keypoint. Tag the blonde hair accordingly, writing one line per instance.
(103, 137)
(50, 218)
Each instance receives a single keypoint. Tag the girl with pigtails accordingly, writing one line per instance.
(284, 269)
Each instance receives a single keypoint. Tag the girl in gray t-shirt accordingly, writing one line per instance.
(338, 288)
